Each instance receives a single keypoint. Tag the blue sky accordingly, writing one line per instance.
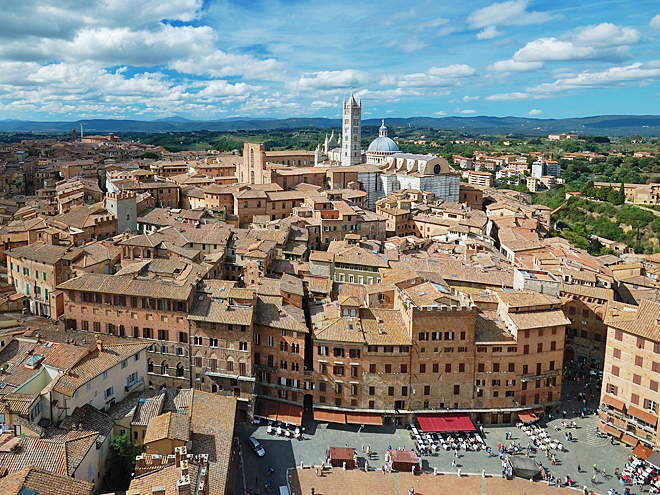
(70, 59)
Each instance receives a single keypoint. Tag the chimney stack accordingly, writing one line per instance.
(99, 345)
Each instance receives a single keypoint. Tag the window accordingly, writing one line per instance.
(372, 368)
(615, 370)
(436, 368)
(512, 367)
(448, 368)
(525, 369)
(388, 368)
(449, 335)
(423, 336)
(124, 363)
(422, 368)
(197, 340)
(637, 379)
(338, 388)
(457, 389)
(105, 375)
(640, 342)
(354, 353)
(656, 347)
(655, 367)
(639, 361)
(653, 385)
(461, 367)
(618, 335)
(539, 347)
(390, 391)
(462, 335)
(404, 391)
(110, 391)
(271, 341)
(404, 368)
(496, 367)
(616, 353)
(132, 379)
(612, 389)
(338, 352)
(634, 398)
(436, 335)
(372, 390)
(322, 350)
(526, 349)
(213, 342)
(650, 405)
(338, 370)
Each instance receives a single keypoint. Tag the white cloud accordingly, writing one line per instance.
(221, 64)
(488, 33)
(531, 113)
(605, 35)
(328, 80)
(655, 22)
(637, 74)
(455, 70)
(468, 111)
(441, 112)
(322, 104)
(512, 13)
(546, 49)
(514, 66)
(218, 89)
(470, 98)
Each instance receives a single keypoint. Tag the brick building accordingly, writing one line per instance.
(629, 396)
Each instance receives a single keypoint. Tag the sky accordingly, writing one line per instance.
(209, 60)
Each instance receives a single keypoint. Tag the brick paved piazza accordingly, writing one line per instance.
(282, 454)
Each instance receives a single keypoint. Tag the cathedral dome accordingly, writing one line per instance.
(382, 144)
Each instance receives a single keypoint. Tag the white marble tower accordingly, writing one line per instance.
(351, 153)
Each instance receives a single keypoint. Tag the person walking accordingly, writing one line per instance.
(579, 469)
(453, 462)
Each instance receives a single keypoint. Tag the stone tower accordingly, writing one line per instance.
(123, 205)
(73, 135)
(351, 153)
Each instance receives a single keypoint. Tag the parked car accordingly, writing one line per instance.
(256, 446)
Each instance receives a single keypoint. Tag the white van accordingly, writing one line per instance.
(284, 490)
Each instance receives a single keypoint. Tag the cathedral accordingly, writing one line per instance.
(384, 168)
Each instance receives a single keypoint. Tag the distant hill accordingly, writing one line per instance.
(612, 125)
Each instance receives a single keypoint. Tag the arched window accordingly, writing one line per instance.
(150, 366)
(252, 177)
(164, 368)
(284, 346)
(283, 365)
(230, 365)
(214, 388)
(252, 157)
(179, 370)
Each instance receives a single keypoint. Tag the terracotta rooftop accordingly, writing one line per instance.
(172, 426)
(34, 481)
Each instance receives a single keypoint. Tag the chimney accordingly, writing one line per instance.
(99, 345)
(183, 486)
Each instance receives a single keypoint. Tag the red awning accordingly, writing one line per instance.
(629, 439)
(355, 418)
(527, 416)
(646, 416)
(441, 423)
(290, 414)
(266, 409)
(329, 416)
(614, 402)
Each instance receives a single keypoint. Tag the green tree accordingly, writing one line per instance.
(150, 154)
(621, 197)
(124, 451)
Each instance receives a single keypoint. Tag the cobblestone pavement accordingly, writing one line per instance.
(586, 449)
(353, 482)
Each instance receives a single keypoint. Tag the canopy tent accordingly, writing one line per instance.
(617, 404)
(356, 418)
(642, 451)
(610, 430)
(266, 409)
(443, 423)
(654, 459)
(339, 455)
(527, 416)
(290, 414)
(404, 460)
(524, 467)
(329, 416)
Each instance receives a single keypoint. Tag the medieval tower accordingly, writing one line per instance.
(351, 153)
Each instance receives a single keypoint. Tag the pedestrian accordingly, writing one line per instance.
(453, 462)
(346, 444)
(312, 490)
(411, 491)
(363, 449)
(579, 469)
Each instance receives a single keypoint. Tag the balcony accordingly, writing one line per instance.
(628, 419)
(547, 374)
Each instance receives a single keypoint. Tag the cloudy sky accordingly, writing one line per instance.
(151, 59)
